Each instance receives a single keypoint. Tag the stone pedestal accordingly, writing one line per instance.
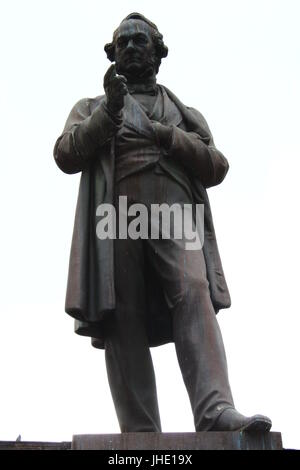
(179, 441)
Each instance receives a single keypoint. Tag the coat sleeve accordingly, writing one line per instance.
(88, 127)
(199, 155)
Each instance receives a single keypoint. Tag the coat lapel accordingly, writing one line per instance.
(135, 118)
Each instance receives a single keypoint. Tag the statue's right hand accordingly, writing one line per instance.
(115, 89)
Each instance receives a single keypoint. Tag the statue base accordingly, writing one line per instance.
(179, 441)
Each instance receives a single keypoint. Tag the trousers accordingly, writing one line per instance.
(197, 337)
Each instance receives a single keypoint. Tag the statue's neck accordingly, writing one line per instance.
(142, 85)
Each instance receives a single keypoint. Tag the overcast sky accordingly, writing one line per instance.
(237, 61)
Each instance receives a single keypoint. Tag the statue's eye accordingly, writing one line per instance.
(121, 42)
(141, 40)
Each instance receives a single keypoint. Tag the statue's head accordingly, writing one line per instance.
(137, 47)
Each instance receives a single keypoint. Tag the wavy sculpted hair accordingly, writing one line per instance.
(157, 38)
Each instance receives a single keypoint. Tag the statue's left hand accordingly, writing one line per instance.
(163, 134)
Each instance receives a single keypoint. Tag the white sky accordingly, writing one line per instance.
(237, 61)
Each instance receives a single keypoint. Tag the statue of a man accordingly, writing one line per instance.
(139, 143)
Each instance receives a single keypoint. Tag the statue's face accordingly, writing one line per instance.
(134, 48)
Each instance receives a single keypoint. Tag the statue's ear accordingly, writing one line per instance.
(163, 51)
(110, 51)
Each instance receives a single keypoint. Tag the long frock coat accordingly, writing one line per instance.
(87, 145)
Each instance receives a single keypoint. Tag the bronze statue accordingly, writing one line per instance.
(139, 141)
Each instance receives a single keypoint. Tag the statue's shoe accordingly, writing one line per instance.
(232, 420)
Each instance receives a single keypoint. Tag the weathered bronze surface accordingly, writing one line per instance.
(139, 141)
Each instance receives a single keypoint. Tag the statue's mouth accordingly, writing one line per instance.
(132, 58)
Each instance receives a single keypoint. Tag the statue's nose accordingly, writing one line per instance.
(130, 44)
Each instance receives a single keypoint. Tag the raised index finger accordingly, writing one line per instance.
(110, 74)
